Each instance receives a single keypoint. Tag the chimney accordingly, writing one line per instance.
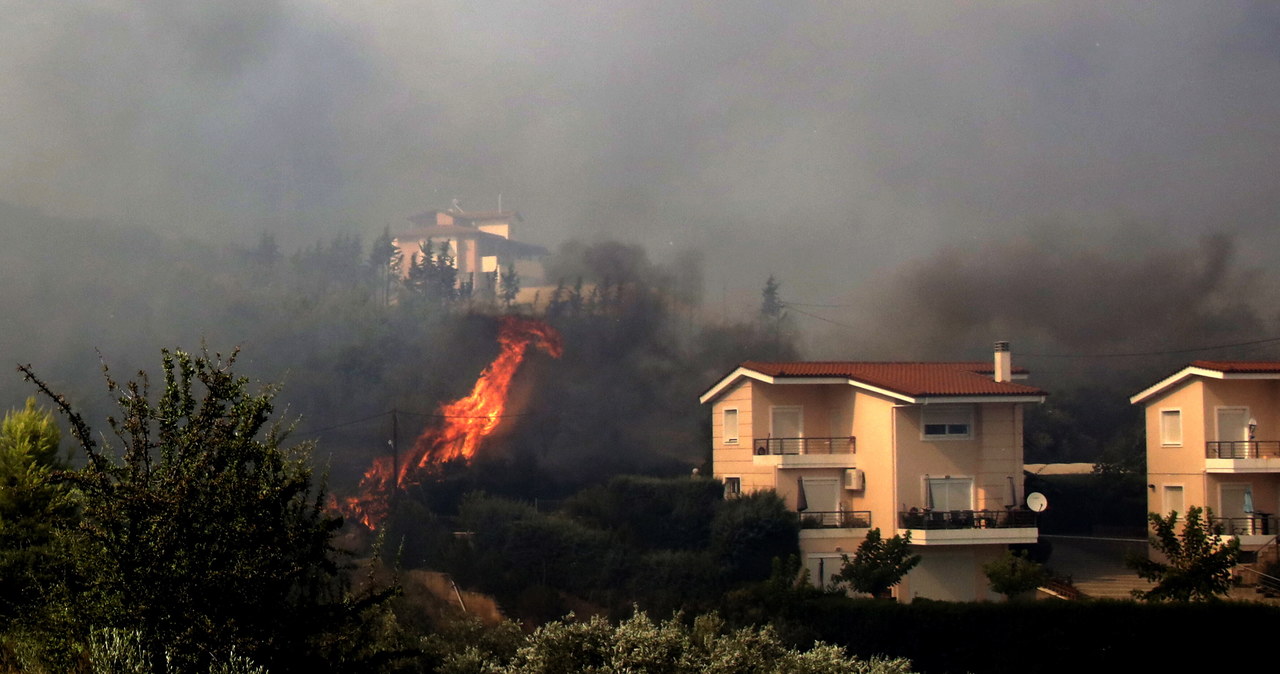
(1004, 363)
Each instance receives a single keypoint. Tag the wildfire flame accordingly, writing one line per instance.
(465, 423)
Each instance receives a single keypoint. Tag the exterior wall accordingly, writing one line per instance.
(824, 408)
(1199, 401)
(735, 459)
(1000, 457)
(1177, 464)
(873, 427)
(1261, 397)
(951, 573)
(502, 229)
(991, 456)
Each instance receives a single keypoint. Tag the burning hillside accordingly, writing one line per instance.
(463, 424)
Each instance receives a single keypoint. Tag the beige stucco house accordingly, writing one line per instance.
(1203, 423)
(479, 242)
(930, 448)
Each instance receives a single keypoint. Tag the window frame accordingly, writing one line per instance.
(928, 484)
(724, 421)
(732, 486)
(1174, 413)
(971, 420)
(1164, 498)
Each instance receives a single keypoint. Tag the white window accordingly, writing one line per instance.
(732, 486)
(1173, 499)
(731, 427)
(950, 493)
(1171, 428)
(950, 422)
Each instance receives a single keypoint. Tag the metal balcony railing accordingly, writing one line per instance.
(835, 519)
(917, 518)
(1257, 524)
(782, 446)
(1242, 449)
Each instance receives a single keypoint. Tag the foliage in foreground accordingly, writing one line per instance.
(200, 533)
(877, 565)
(641, 645)
(32, 505)
(1200, 562)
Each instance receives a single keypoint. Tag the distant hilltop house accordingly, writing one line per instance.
(934, 449)
(1213, 441)
(479, 242)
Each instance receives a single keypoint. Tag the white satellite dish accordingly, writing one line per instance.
(1037, 502)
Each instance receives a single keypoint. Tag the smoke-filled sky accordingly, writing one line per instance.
(844, 146)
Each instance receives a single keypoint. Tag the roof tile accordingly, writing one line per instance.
(912, 379)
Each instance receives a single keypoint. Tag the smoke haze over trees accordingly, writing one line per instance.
(922, 180)
(825, 143)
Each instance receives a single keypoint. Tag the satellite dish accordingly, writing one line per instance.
(1037, 502)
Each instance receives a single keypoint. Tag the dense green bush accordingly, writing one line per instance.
(649, 512)
(750, 531)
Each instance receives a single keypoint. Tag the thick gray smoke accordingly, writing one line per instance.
(823, 142)
(1075, 298)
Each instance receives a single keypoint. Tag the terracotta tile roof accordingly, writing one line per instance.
(1257, 366)
(911, 379)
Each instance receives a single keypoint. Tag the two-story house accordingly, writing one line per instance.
(479, 243)
(930, 448)
(1203, 449)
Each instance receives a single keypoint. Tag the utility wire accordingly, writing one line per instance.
(818, 306)
(307, 431)
(825, 320)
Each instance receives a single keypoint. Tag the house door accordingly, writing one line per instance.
(821, 498)
(786, 428)
(1237, 508)
(1233, 424)
(1233, 427)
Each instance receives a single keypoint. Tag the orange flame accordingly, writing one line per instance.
(466, 422)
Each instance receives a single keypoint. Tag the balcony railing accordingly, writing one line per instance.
(1243, 449)
(835, 519)
(1257, 524)
(966, 519)
(790, 446)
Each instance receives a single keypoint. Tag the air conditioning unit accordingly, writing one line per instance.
(855, 479)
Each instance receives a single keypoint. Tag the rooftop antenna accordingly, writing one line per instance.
(456, 206)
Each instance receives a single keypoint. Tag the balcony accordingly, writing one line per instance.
(965, 527)
(1256, 524)
(1242, 456)
(835, 519)
(805, 452)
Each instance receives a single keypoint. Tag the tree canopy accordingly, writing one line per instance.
(199, 529)
(1199, 560)
(1014, 573)
(877, 565)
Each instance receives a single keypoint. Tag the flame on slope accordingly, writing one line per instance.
(464, 423)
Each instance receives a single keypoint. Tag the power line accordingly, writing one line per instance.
(818, 306)
(379, 415)
(343, 424)
(825, 320)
